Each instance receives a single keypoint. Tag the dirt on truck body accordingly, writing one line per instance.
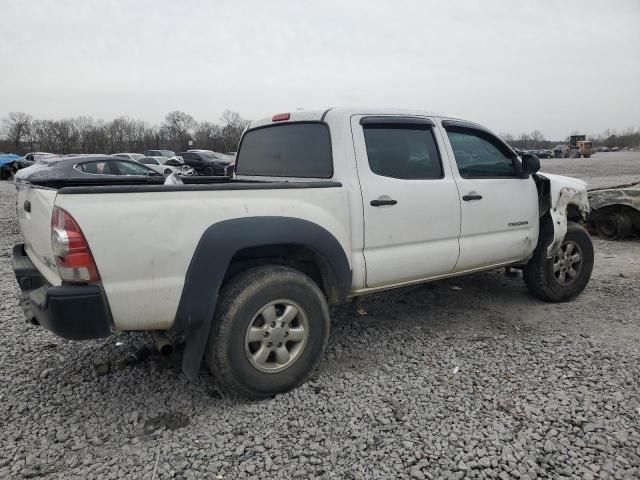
(615, 211)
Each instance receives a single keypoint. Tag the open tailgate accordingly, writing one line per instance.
(34, 208)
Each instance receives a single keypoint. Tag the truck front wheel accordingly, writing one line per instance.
(566, 274)
(270, 330)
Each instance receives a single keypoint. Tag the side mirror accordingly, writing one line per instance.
(530, 163)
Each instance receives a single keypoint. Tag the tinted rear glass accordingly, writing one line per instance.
(288, 150)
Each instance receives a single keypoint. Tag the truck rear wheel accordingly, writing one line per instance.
(270, 330)
(616, 226)
(566, 275)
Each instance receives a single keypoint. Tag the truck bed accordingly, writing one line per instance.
(143, 236)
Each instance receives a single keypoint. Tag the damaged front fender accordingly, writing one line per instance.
(563, 192)
(566, 197)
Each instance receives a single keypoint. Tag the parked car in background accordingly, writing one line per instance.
(561, 151)
(8, 165)
(35, 156)
(12, 163)
(159, 165)
(166, 166)
(129, 156)
(159, 153)
(84, 168)
(223, 156)
(231, 154)
(207, 162)
(542, 153)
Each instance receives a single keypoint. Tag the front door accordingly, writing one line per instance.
(499, 205)
(411, 202)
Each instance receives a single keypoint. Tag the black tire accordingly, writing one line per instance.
(240, 302)
(539, 275)
(168, 172)
(208, 171)
(616, 226)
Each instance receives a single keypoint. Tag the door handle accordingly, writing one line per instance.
(473, 196)
(384, 201)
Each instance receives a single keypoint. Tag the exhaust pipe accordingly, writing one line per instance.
(163, 344)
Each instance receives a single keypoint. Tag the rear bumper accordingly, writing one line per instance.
(75, 312)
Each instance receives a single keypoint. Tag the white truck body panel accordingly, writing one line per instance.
(35, 226)
(143, 258)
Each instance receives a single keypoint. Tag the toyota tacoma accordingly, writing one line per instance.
(324, 206)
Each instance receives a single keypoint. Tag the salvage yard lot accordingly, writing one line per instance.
(465, 377)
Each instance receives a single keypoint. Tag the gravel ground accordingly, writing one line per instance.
(461, 378)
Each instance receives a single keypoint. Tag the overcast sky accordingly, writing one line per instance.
(556, 66)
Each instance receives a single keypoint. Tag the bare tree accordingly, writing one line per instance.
(178, 126)
(16, 127)
(232, 127)
(66, 135)
(44, 135)
(208, 135)
(537, 137)
(87, 135)
(507, 137)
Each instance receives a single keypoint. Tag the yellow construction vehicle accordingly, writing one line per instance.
(579, 146)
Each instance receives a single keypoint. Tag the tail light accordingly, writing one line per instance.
(73, 256)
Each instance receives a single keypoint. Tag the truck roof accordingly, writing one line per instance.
(315, 115)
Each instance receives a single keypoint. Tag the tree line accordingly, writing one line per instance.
(609, 138)
(21, 133)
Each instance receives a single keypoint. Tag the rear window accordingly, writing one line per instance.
(287, 150)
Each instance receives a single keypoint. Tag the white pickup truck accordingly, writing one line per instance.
(325, 206)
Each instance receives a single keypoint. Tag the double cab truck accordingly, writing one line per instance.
(324, 206)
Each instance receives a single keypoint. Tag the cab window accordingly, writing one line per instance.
(480, 155)
(295, 149)
(402, 151)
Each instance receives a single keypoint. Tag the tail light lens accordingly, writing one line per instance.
(73, 256)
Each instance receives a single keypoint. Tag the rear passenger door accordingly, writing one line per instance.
(411, 202)
(499, 204)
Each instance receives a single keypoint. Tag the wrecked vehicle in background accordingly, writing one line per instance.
(615, 211)
(8, 166)
(11, 163)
